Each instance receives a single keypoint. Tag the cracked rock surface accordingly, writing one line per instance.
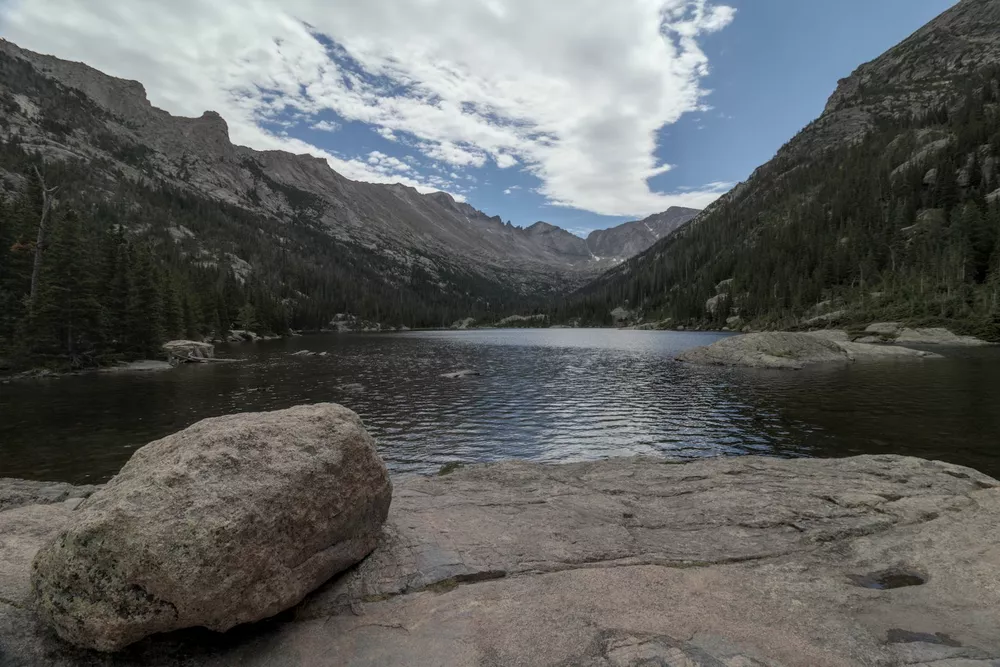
(737, 562)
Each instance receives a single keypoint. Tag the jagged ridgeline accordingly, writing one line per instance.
(886, 208)
(130, 258)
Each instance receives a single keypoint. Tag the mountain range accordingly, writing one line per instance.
(125, 137)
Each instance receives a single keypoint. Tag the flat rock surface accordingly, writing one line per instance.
(795, 351)
(737, 562)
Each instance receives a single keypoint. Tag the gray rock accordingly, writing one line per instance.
(229, 521)
(794, 351)
(768, 350)
(744, 561)
(884, 328)
(621, 315)
(22, 492)
(825, 318)
(180, 351)
(859, 351)
(835, 335)
(936, 336)
(712, 304)
(464, 323)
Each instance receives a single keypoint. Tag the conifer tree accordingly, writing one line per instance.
(143, 315)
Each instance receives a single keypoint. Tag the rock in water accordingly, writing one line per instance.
(180, 351)
(768, 350)
(229, 521)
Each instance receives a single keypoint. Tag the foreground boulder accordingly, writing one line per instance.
(744, 561)
(229, 521)
(182, 351)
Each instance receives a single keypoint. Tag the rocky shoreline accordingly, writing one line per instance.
(749, 561)
(786, 350)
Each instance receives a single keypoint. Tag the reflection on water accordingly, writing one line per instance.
(543, 395)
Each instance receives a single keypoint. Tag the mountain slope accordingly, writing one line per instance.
(68, 112)
(629, 239)
(884, 207)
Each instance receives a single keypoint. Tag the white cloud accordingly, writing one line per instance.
(573, 90)
(511, 189)
(326, 126)
(504, 161)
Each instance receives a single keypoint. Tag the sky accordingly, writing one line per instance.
(582, 113)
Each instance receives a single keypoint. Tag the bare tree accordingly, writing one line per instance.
(47, 203)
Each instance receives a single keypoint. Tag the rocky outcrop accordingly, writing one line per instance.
(466, 323)
(183, 351)
(895, 332)
(868, 561)
(229, 521)
(936, 336)
(795, 351)
(767, 350)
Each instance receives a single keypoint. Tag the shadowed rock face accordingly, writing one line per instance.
(873, 560)
(229, 521)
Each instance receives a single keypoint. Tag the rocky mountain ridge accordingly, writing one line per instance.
(432, 233)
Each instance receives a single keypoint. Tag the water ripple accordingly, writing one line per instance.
(542, 395)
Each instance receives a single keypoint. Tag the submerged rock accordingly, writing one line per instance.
(229, 521)
(754, 561)
(139, 366)
(464, 373)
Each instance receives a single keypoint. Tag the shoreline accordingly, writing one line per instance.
(750, 559)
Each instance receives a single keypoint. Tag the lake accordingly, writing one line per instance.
(541, 395)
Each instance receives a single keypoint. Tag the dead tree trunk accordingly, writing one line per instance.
(47, 202)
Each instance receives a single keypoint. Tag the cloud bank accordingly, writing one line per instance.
(572, 91)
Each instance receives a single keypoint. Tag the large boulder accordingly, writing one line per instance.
(229, 521)
(181, 351)
(768, 350)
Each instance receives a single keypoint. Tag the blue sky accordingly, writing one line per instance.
(583, 113)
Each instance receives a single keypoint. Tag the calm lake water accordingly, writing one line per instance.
(542, 395)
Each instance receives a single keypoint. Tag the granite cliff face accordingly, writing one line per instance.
(110, 124)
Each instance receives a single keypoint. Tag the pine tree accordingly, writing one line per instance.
(174, 325)
(64, 319)
(117, 285)
(144, 331)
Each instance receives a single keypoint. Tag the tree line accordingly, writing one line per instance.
(903, 225)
